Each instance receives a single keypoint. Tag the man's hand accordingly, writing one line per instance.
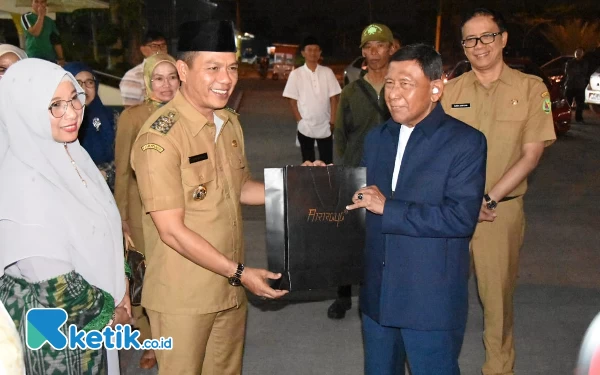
(127, 234)
(316, 163)
(121, 317)
(255, 280)
(126, 301)
(485, 214)
(42, 10)
(369, 197)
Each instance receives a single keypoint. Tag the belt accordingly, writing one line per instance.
(506, 199)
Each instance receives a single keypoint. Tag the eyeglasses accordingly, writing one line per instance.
(59, 108)
(484, 39)
(160, 80)
(157, 46)
(89, 83)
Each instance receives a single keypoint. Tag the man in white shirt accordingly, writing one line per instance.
(132, 86)
(313, 93)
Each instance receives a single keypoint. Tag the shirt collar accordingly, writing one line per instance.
(506, 76)
(428, 125)
(196, 120)
(308, 69)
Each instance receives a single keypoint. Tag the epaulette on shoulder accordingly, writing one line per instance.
(165, 122)
(232, 111)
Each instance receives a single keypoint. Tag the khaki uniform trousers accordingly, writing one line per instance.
(495, 255)
(207, 344)
(139, 313)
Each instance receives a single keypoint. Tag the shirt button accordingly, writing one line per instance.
(383, 264)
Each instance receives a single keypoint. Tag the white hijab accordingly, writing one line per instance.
(5, 48)
(57, 216)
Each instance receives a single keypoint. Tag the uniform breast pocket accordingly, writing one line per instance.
(510, 123)
(236, 159)
(199, 185)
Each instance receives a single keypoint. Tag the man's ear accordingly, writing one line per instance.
(182, 70)
(437, 88)
(144, 50)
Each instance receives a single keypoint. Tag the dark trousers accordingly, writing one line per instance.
(307, 147)
(579, 96)
(427, 352)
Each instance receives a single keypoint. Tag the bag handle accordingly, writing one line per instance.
(128, 243)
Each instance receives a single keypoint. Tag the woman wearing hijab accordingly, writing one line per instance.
(162, 83)
(61, 232)
(97, 134)
(9, 55)
(11, 351)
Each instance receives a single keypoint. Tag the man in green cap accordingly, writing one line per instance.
(362, 107)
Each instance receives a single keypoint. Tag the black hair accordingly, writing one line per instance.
(153, 36)
(187, 57)
(426, 56)
(496, 17)
(309, 41)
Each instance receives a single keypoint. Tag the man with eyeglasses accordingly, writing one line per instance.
(133, 89)
(513, 110)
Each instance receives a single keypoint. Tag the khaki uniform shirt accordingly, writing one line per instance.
(127, 195)
(516, 109)
(175, 157)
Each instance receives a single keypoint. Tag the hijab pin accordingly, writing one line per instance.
(96, 122)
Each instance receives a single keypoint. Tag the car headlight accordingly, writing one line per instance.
(560, 103)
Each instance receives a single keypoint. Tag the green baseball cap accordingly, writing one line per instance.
(376, 32)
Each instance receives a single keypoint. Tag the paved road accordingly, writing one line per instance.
(559, 284)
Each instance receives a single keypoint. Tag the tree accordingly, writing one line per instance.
(571, 34)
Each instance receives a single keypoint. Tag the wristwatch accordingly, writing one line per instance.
(490, 203)
(235, 279)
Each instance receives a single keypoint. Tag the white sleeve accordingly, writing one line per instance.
(291, 87)
(333, 84)
(33, 251)
(36, 269)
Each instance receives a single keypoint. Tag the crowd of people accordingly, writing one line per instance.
(447, 168)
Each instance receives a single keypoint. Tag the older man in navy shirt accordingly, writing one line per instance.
(425, 176)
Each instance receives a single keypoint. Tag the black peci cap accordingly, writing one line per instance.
(309, 41)
(208, 36)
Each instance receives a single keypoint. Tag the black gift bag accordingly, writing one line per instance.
(311, 238)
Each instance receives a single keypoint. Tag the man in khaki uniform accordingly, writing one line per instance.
(513, 110)
(192, 175)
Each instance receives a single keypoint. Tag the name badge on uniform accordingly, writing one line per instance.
(461, 105)
(197, 158)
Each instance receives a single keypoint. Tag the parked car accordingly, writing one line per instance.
(555, 68)
(561, 110)
(592, 92)
(353, 71)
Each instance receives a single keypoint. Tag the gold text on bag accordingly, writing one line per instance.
(199, 193)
